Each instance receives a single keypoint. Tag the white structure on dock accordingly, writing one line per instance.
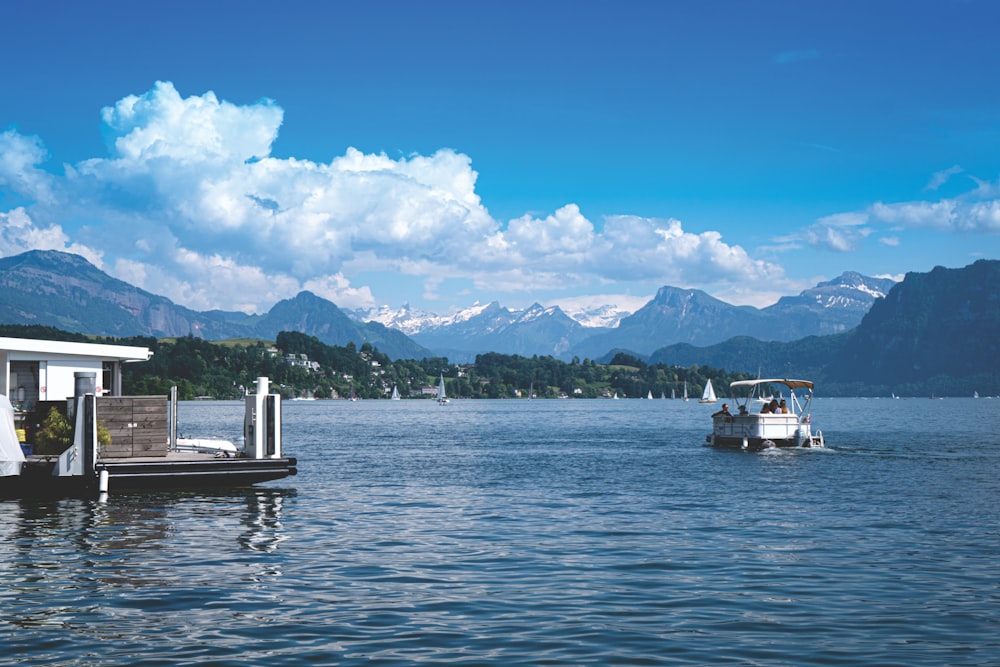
(43, 370)
(143, 451)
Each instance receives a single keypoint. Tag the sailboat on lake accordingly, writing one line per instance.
(709, 395)
(395, 393)
(442, 398)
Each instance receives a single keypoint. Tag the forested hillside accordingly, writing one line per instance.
(300, 365)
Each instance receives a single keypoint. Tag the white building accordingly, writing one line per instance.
(43, 370)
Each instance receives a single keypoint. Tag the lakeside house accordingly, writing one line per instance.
(43, 370)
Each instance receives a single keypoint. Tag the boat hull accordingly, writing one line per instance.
(755, 432)
(758, 444)
(37, 479)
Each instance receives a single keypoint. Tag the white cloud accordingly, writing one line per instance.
(19, 233)
(974, 212)
(338, 289)
(982, 217)
(564, 233)
(160, 125)
(628, 248)
(842, 232)
(19, 173)
(916, 215)
(941, 177)
(190, 204)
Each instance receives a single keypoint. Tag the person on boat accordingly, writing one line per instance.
(783, 407)
(724, 412)
(743, 410)
(766, 409)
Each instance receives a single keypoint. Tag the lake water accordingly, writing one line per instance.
(572, 532)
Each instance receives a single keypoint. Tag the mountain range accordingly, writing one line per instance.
(63, 290)
(933, 332)
(673, 316)
(937, 330)
(66, 291)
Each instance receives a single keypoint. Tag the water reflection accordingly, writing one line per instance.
(263, 520)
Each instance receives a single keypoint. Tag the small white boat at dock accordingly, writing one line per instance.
(752, 430)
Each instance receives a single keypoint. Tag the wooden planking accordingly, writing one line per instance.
(137, 424)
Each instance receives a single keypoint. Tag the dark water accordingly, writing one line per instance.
(533, 532)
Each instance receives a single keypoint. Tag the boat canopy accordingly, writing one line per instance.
(791, 384)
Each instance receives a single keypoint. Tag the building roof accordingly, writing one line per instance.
(64, 348)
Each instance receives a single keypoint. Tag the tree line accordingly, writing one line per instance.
(299, 365)
(224, 370)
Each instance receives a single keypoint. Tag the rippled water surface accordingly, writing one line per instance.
(533, 532)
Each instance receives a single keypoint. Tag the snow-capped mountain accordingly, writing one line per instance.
(494, 328)
(411, 321)
(674, 315)
(606, 316)
(483, 328)
(691, 316)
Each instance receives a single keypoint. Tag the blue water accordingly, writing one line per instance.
(568, 532)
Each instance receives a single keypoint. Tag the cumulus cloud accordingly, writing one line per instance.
(19, 233)
(628, 248)
(20, 157)
(190, 203)
(140, 130)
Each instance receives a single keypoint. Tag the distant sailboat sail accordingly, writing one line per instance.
(395, 394)
(650, 395)
(441, 397)
(685, 390)
(709, 395)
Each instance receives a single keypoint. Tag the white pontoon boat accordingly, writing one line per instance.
(753, 430)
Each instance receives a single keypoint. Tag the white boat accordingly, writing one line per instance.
(395, 393)
(218, 447)
(673, 394)
(685, 390)
(749, 430)
(709, 395)
(442, 398)
(650, 395)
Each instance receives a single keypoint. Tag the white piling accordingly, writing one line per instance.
(102, 486)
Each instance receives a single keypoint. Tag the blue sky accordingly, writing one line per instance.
(229, 154)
